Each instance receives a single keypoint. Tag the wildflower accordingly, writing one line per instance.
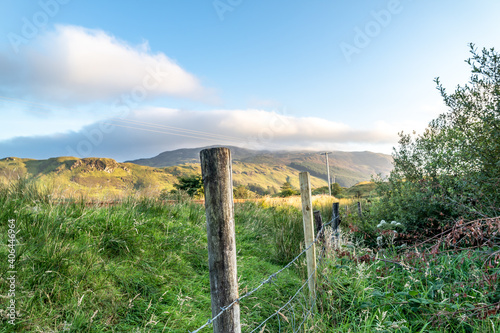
(381, 224)
(379, 240)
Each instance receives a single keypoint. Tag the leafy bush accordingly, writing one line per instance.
(242, 192)
(452, 170)
(193, 185)
(287, 190)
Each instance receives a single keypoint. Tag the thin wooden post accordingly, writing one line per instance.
(335, 216)
(336, 223)
(360, 213)
(318, 221)
(216, 171)
(307, 214)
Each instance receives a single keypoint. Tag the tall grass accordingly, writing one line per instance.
(141, 266)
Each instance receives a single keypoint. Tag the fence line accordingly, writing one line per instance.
(269, 279)
(286, 304)
(216, 167)
(313, 303)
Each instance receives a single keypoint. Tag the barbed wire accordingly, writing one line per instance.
(313, 303)
(286, 304)
(293, 297)
(269, 279)
(309, 312)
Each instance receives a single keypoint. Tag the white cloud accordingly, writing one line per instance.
(80, 65)
(148, 132)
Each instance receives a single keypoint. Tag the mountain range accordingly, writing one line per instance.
(259, 170)
(348, 168)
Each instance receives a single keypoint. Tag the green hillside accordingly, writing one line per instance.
(262, 171)
(349, 168)
(105, 178)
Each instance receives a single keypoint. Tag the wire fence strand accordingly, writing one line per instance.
(268, 280)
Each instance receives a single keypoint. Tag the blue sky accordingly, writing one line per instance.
(337, 75)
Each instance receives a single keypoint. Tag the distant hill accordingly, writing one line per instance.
(348, 168)
(105, 178)
(261, 171)
(190, 155)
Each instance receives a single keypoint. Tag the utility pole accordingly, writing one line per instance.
(328, 171)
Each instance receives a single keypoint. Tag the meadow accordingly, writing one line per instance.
(141, 266)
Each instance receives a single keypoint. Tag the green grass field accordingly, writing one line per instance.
(141, 266)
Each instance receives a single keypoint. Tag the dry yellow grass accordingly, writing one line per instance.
(317, 200)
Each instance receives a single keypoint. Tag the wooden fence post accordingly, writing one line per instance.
(336, 222)
(360, 213)
(319, 223)
(307, 214)
(217, 179)
(335, 216)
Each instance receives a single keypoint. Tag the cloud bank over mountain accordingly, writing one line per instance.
(149, 131)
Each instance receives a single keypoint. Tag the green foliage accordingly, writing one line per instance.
(361, 190)
(320, 190)
(407, 292)
(256, 188)
(287, 190)
(242, 192)
(452, 170)
(336, 189)
(193, 185)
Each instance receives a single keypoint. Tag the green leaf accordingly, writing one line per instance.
(365, 305)
(470, 306)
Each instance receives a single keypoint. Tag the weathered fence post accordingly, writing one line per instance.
(360, 213)
(318, 220)
(217, 179)
(336, 223)
(307, 214)
(335, 216)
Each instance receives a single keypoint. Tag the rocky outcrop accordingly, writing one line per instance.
(97, 164)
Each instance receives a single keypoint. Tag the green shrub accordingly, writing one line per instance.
(452, 169)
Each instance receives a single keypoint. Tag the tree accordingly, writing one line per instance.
(256, 188)
(320, 190)
(193, 185)
(453, 169)
(287, 190)
(336, 189)
(242, 192)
